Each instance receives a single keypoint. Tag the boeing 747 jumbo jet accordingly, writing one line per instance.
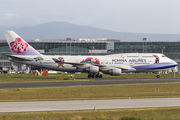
(114, 64)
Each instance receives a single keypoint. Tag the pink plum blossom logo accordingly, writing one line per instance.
(18, 46)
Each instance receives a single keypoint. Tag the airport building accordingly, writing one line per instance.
(91, 47)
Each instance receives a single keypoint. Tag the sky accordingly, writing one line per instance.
(139, 16)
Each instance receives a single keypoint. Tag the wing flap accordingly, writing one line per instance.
(111, 66)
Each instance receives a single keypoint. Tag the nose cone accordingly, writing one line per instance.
(171, 62)
(174, 62)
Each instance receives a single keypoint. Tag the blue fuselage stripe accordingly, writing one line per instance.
(155, 67)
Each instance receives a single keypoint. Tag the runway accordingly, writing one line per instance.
(88, 104)
(103, 81)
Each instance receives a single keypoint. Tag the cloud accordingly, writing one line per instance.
(8, 15)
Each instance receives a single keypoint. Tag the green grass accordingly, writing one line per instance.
(4, 78)
(124, 114)
(92, 92)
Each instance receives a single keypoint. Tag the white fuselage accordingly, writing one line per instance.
(134, 62)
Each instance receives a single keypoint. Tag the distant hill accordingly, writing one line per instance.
(63, 30)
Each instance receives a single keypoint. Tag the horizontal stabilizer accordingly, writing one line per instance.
(20, 58)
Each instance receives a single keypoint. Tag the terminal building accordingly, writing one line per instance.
(90, 47)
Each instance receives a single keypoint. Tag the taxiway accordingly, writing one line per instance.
(103, 81)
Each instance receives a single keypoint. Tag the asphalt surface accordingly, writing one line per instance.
(108, 81)
(88, 104)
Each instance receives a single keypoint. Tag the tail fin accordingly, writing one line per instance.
(17, 45)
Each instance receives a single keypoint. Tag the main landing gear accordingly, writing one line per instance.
(95, 75)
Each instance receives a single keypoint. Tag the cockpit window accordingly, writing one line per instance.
(163, 56)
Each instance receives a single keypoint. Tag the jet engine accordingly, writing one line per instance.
(92, 69)
(115, 71)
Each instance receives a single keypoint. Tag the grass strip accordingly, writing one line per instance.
(120, 114)
(92, 92)
(4, 78)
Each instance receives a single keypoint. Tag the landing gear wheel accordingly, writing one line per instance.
(97, 76)
(158, 76)
(89, 76)
(100, 76)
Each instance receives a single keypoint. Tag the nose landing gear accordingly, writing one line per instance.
(158, 76)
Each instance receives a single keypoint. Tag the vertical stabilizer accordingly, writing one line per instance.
(17, 45)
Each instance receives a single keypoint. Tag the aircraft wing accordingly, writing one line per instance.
(58, 61)
(79, 65)
(20, 58)
(85, 65)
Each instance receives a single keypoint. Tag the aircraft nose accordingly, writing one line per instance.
(174, 62)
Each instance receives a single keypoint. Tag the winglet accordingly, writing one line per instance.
(17, 45)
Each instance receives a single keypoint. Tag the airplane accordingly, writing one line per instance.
(114, 64)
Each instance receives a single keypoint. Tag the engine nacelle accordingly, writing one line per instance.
(115, 71)
(92, 69)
